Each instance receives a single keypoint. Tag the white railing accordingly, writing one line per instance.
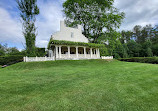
(94, 56)
(64, 55)
(35, 59)
(106, 57)
(74, 57)
(81, 56)
(88, 56)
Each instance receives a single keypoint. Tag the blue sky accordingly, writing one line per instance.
(138, 12)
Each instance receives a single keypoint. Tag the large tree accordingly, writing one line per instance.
(97, 17)
(28, 11)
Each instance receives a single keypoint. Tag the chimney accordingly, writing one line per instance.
(62, 25)
(79, 27)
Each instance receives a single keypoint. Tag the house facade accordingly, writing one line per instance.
(69, 43)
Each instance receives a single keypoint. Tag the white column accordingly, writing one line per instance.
(59, 51)
(85, 52)
(36, 58)
(68, 47)
(76, 51)
(56, 49)
(98, 53)
(24, 59)
(91, 52)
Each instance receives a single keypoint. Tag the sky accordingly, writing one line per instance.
(137, 12)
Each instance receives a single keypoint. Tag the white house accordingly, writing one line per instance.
(70, 43)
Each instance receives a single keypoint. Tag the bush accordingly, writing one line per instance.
(40, 52)
(153, 60)
(104, 52)
(12, 59)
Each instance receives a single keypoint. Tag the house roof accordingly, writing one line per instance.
(70, 34)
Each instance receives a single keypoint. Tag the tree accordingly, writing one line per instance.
(96, 16)
(147, 49)
(155, 49)
(149, 52)
(28, 11)
(154, 35)
(133, 48)
(113, 41)
(2, 51)
(13, 51)
(137, 33)
(126, 36)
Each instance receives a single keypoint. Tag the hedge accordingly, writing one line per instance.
(153, 60)
(12, 59)
(62, 42)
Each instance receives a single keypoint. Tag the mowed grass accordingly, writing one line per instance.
(87, 85)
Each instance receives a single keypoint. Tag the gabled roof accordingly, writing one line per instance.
(69, 34)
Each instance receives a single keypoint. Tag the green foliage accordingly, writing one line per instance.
(96, 16)
(10, 59)
(133, 49)
(126, 36)
(153, 60)
(146, 49)
(2, 52)
(104, 51)
(13, 51)
(62, 42)
(149, 52)
(28, 11)
(155, 49)
(113, 41)
(3, 49)
(40, 52)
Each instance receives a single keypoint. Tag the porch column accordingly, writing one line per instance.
(98, 53)
(68, 47)
(56, 51)
(85, 52)
(91, 52)
(59, 51)
(76, 51)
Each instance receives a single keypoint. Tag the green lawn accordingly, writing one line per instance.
(90, 85)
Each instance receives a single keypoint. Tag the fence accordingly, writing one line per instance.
(35, 59)
(106, 57)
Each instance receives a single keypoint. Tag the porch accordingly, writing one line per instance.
(75, 52)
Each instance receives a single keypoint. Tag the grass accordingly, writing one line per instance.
(90, 85)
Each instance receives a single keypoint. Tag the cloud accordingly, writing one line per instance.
(48, 21)
(138, 12)
(10, 28)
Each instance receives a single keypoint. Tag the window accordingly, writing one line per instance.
(72, 35)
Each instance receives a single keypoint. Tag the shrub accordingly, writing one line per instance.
(104, 51)
(12, 59)
(40, 52)
(153, 60)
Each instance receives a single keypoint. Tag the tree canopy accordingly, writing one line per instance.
(97, 17)
(28, 11)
